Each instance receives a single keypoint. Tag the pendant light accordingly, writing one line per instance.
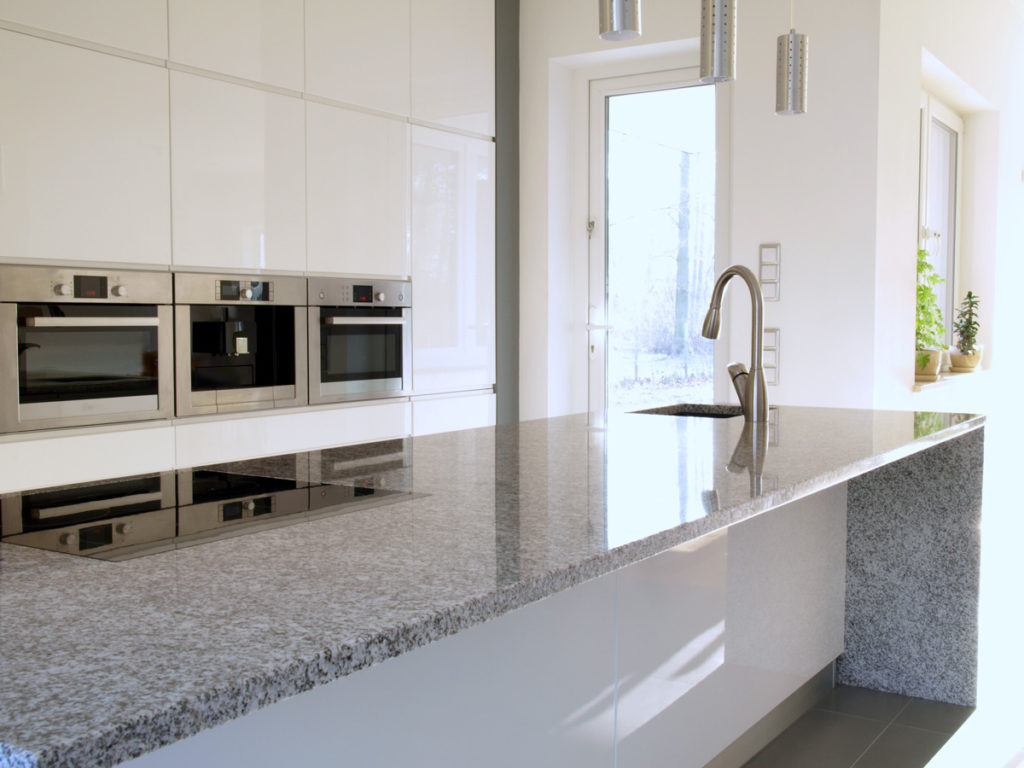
(791, 71)
(717, 41)
(620, 19)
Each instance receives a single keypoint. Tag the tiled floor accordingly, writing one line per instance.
(858, 728)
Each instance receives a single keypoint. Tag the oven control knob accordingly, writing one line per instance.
(380, 296)
(123, 528)
(119, 290)
(67, 539)
(63, 289)
(250, 505)
(247, 293)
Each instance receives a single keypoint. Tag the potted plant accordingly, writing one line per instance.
(968, 351)
(930, 329)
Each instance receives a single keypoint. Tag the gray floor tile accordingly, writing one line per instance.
(900, 746)
(819, 739)
(864, 703)
(934, 715)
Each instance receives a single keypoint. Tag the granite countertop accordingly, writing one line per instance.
(103, 661)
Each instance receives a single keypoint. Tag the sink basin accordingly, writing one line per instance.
(703, 410)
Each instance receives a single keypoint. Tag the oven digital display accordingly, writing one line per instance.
(245, 290)
(362, 294)
(90, 287)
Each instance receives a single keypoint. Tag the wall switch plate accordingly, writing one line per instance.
(769, 268)
(770, 355)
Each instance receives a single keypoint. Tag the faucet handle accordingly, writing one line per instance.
(736, 369)
(738, 373)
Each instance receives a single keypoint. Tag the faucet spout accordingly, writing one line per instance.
(754, 399)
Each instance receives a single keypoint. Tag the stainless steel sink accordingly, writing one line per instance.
(702, 410)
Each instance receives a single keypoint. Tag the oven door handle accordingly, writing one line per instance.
(335, 320)
(90, 506)
(91, 322)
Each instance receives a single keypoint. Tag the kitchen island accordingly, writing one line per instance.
(105, 661)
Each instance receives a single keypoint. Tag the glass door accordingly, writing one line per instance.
(653, 173)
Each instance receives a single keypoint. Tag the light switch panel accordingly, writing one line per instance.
(769, 268)
(770, 356)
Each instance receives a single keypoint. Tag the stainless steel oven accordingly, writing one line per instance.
(110, 520)
(240, 342)
(360, 339)
(84, 346)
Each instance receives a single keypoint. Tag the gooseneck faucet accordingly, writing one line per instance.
(750, 387)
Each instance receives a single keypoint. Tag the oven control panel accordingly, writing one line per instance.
(341, 292)
(244, 290)
(35, 284)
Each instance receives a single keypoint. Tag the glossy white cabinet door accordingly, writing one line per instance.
(133, 25)
(199, 441)
(358, 192)
(83, 155)
(259, 40)
(358, 52)
(238, 175)
(453, 63)
(447, 413)
(452, 261)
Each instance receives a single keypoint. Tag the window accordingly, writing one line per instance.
(939, 205)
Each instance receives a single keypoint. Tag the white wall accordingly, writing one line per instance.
(808, 183)
(837, 187)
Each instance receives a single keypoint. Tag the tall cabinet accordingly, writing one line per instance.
(453, 277)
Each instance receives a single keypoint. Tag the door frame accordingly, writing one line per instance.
(598, 86)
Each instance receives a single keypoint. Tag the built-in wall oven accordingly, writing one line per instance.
(240, 342)
(360, 339)
(84, 346)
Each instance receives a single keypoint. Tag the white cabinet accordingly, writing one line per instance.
(445, 413)
(358, 52)
(452, 261)
(199, 441)
(133, 25)
(357, 169)
(260, 40)
(452, 56)
(83, 155)
(238, 170)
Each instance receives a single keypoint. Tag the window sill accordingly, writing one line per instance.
(949, 379)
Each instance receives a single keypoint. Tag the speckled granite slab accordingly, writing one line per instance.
(103, 661)
(912, 575)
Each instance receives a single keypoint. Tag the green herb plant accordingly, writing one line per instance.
(931, 328)
(966, 325)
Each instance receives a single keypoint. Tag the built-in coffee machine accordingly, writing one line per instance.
(240, 342)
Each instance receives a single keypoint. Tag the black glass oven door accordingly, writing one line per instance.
(361, 351)
(71, 353)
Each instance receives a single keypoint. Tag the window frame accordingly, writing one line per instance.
(934, 109)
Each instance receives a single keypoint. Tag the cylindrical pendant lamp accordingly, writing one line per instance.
(791, 74)
(620, 19)
(717, 41)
